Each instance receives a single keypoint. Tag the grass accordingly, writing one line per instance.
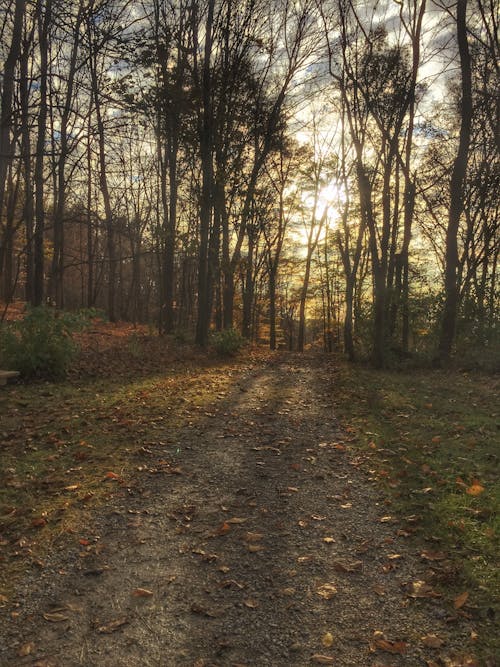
(431, 440)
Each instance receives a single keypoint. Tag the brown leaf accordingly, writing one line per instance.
(391, 647)
(432, 641)
(433, 555)
(326, 591)
(112, 626)
(322, 659)
(253, 548)
(236, 520)
(26, 649)
(202, 611)
(39, 522)
(55, 617)
(112, 475)
(142, 593)
(420, 589)
(250, 603)
(346, 566)
(253, 537)
(328, 540)
(459, 602)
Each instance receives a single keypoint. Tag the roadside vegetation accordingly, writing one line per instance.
(430, 439)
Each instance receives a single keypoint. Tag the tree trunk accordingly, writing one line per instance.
(459, 171)
(43, 36)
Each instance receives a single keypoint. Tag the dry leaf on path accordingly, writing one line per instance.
(327, 639)
(253, 537)
(433, 555)
(142, 593)
(222, 529)
(55, 617)
(432, 641)
(326, 591)
(322, 659)
(26, 649)
(420, 589)
(250, 603)
(203, 611)
(459, 602)
(348, 566)
(390, 647)
(236, 520)
(112, 626)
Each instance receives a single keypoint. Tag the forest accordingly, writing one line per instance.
(249, 333)
(319, 172)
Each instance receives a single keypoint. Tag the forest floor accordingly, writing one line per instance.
(162, 507)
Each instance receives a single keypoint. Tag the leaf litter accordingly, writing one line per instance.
(244, 489)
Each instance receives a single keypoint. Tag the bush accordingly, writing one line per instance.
(41, 344)
(227, 342)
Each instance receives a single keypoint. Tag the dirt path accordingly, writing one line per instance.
(262, 539)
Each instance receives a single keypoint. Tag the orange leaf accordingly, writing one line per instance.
(475, 490)
(84, 542)
(112, 475)
(223, 529)
(459, 602)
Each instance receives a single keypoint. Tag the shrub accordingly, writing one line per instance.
(41, 344)
(227, 342)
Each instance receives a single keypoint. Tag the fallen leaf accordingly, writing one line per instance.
(55, 617)
(391, 647)
(420, 589)
(474, 490)
(250, 603)
(112, 475)
(232, 584)
(142, 593)
(39, 523)
(327, 640)
(236, 520)
(3, 599)
(346, 566)
(328, 540)
(202, 611)
(326, 591)
(432, 641)
(459, 602)
(322, 659)
(253, 548)
(72, 487)
(223, 529)
(433, 555)
(112, 626)
(26, 649)
(253, 537)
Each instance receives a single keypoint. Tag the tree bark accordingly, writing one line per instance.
(451, 286)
